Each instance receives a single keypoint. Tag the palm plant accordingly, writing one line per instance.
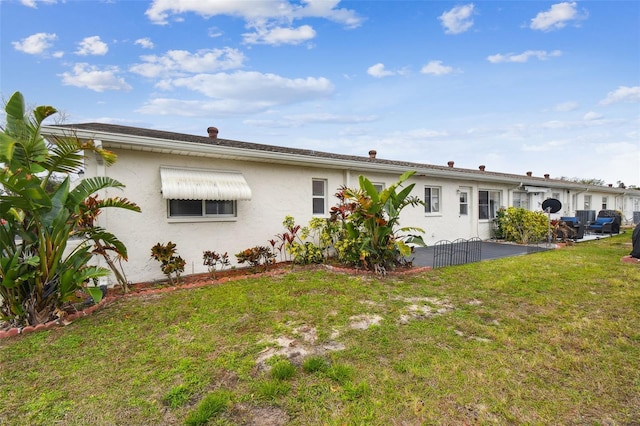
(40, 269)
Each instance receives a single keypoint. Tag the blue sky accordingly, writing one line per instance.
(547, 87)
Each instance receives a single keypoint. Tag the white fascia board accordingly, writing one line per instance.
(145, 143)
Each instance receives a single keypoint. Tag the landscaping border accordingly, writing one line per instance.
(198, 281)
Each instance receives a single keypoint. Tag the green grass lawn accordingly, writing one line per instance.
(546, 338)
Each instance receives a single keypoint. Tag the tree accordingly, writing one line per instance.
(591, 181)
(47, 236)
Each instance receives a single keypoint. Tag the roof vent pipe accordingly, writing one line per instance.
(213, 132)
(546, 176)
(372, 154)
(450, 163)
(529, 174)
(482, 167)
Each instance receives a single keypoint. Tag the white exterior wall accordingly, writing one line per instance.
(279, 190)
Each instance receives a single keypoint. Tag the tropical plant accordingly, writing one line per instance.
(304, 245)
(371, 237)
(212, 260)
(523, 226)
(170, 263)
(256, 256)
(46, 241)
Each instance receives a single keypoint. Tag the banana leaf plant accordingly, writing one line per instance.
(371, 222)
(46, 242)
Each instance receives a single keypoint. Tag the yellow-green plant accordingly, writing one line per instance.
(524, 226)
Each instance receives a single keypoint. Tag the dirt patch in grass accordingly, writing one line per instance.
(296, 349)
(364, 321)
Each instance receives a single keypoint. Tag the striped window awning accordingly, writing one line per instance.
(198, 184)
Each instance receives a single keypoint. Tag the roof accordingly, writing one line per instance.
(127, 137)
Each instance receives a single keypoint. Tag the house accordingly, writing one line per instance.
(207, 193)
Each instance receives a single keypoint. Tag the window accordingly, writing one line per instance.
(378, 186)
(604, 203)
(587, 202)
(488, 204)
(555, 195)
(431, 199)
(464, 203)
(319, 196)
(521, 200)
(197, 194)
(202, 208)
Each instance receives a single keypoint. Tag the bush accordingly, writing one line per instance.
(256, 256)
(213, 260)
(523, 226)
(370, 235)
(170, 263)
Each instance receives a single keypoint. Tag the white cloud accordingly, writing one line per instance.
(378, 70)
(279, 35)
(299, 120)
(566, 106)
(92, 46)
(177, 62)
(622, 94)
(254, 87)
(556, 17)
(91, 77)
(214, 32)
(34, 3)
(253, 12)
(145, 43)
(524, 56)
(592, 116)
(206, 108)
(458, 19)
(545, 146)
(35, 44)
(436, 68)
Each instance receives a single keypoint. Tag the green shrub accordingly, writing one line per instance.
(256, 256)
(371, 236)
(170, 263)
(523, 226)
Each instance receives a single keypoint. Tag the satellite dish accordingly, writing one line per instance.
(551, 205)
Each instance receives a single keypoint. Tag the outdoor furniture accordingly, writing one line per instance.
(574, 224)
(608, 221)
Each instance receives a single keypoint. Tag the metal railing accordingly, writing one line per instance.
(457, 252)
